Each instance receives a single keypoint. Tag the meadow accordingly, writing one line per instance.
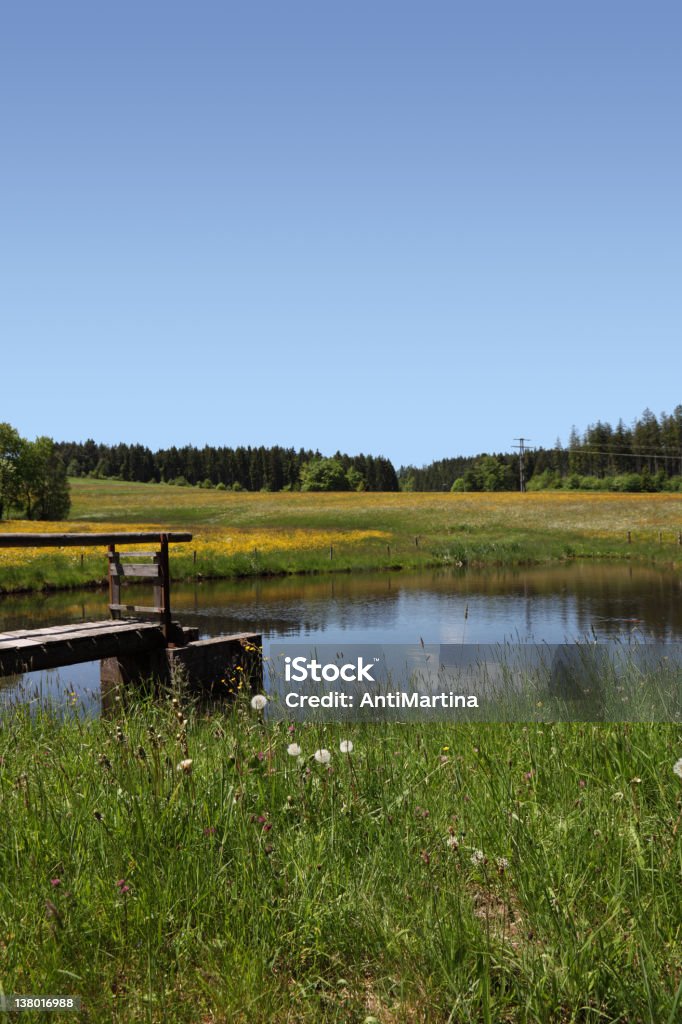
(172, 862)
(243, 534)
(183, 865)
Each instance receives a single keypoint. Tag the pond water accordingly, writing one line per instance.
(540, 605)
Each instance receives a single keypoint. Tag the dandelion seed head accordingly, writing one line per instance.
(346, 746)
(677, 768)
(322, 756)
(259, 701)
(293, 750)
(185, 766)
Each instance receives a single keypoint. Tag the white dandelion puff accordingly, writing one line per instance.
(322, 756)
(293, 750)
(677, 767)
(346, 746)
(185, 766)
(258, 702)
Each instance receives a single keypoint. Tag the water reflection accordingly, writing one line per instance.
(542, 605)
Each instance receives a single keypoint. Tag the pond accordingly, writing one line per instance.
(551, 605)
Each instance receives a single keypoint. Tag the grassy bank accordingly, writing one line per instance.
(259, 534)
(436, 873)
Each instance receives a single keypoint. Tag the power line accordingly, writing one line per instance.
(618, 455)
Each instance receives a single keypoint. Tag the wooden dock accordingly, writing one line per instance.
(54, 646)
(127, 649)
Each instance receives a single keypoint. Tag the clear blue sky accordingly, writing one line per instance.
(411, 229)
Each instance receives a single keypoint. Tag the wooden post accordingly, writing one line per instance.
(114, 584)
(164, 568)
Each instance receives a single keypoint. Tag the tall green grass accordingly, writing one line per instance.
(436, 873)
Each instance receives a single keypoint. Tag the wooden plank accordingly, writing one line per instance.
(60, 540)
(39, 653)
(104, 625)
(135, 608)
(135, 554)
(123, 569)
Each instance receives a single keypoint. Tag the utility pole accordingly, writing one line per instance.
(522, 448)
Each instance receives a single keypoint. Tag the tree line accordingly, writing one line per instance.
(646, 456)
(33, 483)
(242, 468)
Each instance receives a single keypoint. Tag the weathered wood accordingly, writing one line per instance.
(135, 554)
(164, 567)
(135, 608)
(123, 569)
(61, 540)
(90, 642)
(64, 631)
(114, 586)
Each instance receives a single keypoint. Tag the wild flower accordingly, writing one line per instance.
(293, 750)
(54, 882)
(677, 767)
(185, 766)
(322, 756)
(502, 864)
(122, 886)
(452, 842)
(478, 857)
(259, 701)
(346, 746)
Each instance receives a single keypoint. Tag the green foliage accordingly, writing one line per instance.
(33, 480)
(11, 450)
(548, 480)
(324, 475)
(488, 473)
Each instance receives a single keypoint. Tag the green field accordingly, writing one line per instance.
(434, 874)
(258, 534)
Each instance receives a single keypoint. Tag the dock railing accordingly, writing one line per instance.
(155, 569)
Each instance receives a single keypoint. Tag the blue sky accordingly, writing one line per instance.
(411, 229)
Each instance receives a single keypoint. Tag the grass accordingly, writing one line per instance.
(259, 534)
(442, 874)
(472, 873)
